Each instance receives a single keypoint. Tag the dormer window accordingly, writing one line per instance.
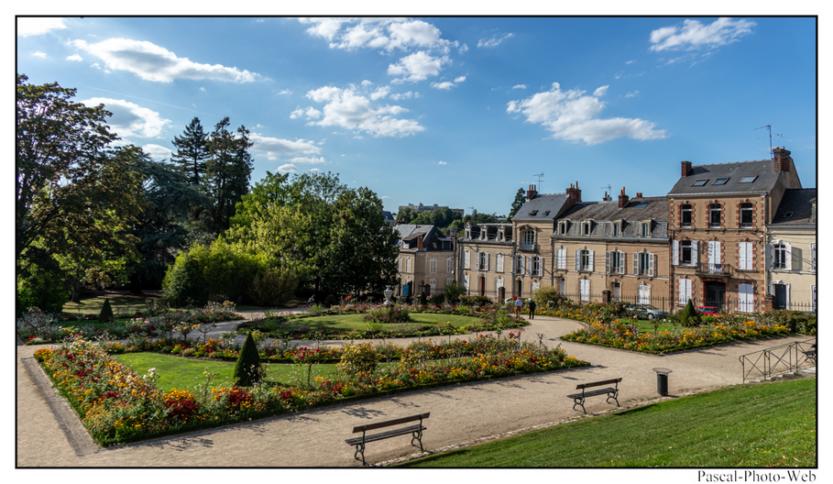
(563, 226)
(468, 232)
(533, 213)
(748, 179)
(586, 226)
(645, 229)
(616, 229)
(721, 181)
(700, 183)
(484, 233)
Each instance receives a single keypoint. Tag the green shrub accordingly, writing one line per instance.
(184, 283)
(689, 316)
(438, 299)
(548, 297)
(247, 370)
(388, 314)
(453, 292)
(477, 301)
(359, 361)
(106, 313)
(273, 287)
(41, 288)
(797, 321)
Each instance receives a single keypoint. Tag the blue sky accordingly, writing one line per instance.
(455, 111)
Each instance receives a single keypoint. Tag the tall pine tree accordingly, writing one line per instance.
(192, 151)
(227, 169)
(517, 203)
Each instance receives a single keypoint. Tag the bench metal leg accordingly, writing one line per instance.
(613, 396)
(577, 402)
(417, 437)
(359, 454)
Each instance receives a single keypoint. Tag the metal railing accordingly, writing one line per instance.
(778, 360)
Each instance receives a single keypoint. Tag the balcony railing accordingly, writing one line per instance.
(712, 269)
(528, 247)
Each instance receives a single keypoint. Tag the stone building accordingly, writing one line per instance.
(486, 259)
(426, 260)
(718, 216)
(791, 241)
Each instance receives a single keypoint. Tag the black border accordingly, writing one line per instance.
(422, 16)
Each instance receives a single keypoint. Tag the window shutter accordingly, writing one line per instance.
(540, 266)
(675, 252)
(608, 255)
(796, 259)
(742, 255)
(652, 264)
(695, 258)
(592, 261)
(488, 261)
(770, 256)
(622, 259)
(717, 252)
(789, 256)
(578, 260)
(636, 263)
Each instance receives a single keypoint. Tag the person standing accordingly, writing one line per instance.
(519, 304)
(532, 306)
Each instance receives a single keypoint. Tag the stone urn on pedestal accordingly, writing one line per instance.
(388, 293)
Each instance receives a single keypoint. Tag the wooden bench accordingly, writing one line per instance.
(415, 430)
(612, 392)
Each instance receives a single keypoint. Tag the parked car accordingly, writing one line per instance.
(709, 310)
(644, 311)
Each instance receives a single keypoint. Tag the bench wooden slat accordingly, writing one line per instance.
(597, 383)
(593, 393)
(384, 435)
(389, 423)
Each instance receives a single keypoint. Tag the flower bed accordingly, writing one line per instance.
(117, 405)
(619, 334)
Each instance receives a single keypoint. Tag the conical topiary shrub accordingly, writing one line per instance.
(689, 315)
(106, 314)
(247, 370)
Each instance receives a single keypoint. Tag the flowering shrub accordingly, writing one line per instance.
(388, 314)
(118, 405)
(619, 334)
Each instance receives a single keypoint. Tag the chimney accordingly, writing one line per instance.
(531, 192)
(686, 169)
(574, 193)
(623, 198)
(606, 197)
(639, 195)
(420, 243)
(782, 159)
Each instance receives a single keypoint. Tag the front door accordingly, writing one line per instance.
(616, 291)
(780, 293)
(482, 286)
(519, 286)
(501, 294)
(715, 292)
(746, 297)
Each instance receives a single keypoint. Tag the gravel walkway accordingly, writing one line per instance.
(459, 413)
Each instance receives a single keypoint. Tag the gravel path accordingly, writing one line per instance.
(459, 413)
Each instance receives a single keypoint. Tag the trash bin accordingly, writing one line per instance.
(662, 380)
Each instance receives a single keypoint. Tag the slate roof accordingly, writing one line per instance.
(763, 170)
(796, 208)
(408, 234)
(492, 230)
(603, 213)
(541, 208)
(412, 231)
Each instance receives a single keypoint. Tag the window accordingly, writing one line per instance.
(529, 238)
(537, 266)
(748, 179)
(467, 259)
(432, 264)
(466, 282)
(482, 261)
(536, 284)
(715, 215)
(813, 291)
(407, 264)
(563, 226)
(616, 262)
(561, 259)
(781, 256)
(519, 264)
(433, 285)
(585, 227)
(746, 297)
(646, 229)
(584, 260)
(721, 181)
(700, 183)
(745, 256)
(715, 255)
(484, 233)
(644, 294)
(685, 215)
(644, 264)
(584, 290)
(746, 212)
(616, 229)
(449, 265)
(684, 291)
(687, 252)
(499, 262)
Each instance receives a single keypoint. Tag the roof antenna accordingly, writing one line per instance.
(769, 130)
(540, 177)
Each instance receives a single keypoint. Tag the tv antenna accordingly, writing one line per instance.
(540, 177)
(768, 128)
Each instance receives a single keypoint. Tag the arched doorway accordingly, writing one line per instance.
(519, 287)
(501, 294)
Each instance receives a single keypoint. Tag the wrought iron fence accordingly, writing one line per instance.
(778, 360)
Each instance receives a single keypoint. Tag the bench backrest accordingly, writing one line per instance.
(390, 423)
(598, 383)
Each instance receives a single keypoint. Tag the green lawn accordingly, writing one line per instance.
(644, 325)
(761, 425)
(180, 372)
(342, 325)
(121, 303)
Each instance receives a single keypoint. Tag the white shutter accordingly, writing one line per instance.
(608, 256)
(796, 259)
(540, 266)
(695, 258)
(742, 255)
(789, 257)
(652, 264)
(578, 260)
(675, 252)
(592, 261)
(636, 263)
(622, 259)
(681, 291)
(467, 260)
(488, 261)
(718, 255)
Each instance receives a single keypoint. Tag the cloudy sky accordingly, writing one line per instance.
(456, 111)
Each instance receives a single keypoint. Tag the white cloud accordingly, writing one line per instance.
(284, 92)
(600, 91)
(694, 35)
(442, 163)
(573, 115)
(631, 94)
(417, 67)
(157, 152)
(308, 112)
(294, 150)
(385, 34)
(130, 120)
(309, 160)
(402, 96)
(155, 63)
(519, 86)
(74, 58)
(354, 110)
(380, 93)
(460, 79)
(494, 41)
(32, 26)
(447, 85)
(39, 54)
(287, 168)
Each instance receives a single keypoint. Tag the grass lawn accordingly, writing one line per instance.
(760, 425)
(180, 372)
(342, 325)
(645, 325)
(121, 304)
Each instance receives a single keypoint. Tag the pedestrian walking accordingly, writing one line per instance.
(532, 307)
(519, 304)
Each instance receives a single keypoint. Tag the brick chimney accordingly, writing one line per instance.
(623, 198)
(531, 192)
(607, 197)
(685, 168)
(574, 193)
(639, 195)
(420, 242)
(782, 161)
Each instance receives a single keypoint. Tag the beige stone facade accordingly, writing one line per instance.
(485, 252)
(426, 262)
(791, 242)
